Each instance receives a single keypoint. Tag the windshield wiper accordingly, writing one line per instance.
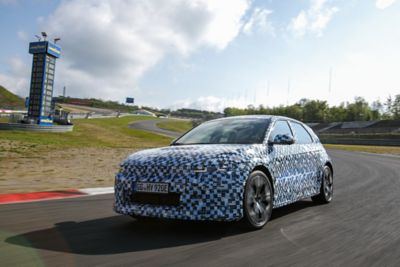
(183, 144)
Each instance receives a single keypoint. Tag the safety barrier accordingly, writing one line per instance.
(36, 127)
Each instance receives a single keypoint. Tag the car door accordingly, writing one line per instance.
(307, 165)
(281, 164)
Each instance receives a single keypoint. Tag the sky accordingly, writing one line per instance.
(209, 54)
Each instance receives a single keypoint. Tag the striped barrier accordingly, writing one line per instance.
(36, 127)
(50, 195)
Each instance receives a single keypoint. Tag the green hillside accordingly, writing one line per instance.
(95, 103)
(9, 100)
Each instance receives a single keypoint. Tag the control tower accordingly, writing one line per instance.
(42, 81)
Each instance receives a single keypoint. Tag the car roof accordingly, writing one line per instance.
(266, 117)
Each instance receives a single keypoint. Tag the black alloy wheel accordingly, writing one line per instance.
(326, 192)
(258, 200)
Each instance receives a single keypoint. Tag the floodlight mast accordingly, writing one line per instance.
(44, 34)
(57, 39)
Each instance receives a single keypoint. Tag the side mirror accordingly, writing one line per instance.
(283, 139)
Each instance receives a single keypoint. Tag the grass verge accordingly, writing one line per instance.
(106, 133)
(179, 126)
(87, 157)
(394, 150)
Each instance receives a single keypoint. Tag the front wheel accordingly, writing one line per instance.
(326, 191)
(257, 201)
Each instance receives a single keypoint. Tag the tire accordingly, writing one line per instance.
(326, 191)
(257, 200)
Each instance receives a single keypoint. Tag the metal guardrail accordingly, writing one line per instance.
(370, 142)
(36, 127)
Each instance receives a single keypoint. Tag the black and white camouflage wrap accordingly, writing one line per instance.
(211, 178)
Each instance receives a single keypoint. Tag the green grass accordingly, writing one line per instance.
(107, 133)
(395, 150)
(10, 100)
(179, 126)
(4, 119)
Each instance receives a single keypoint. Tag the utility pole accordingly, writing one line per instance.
(267, 94)
(64, 91)
(288, 91)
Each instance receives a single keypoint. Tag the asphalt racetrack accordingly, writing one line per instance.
(361, 227)
(151, 126)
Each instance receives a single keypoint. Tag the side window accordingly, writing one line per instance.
(280, 127)
(301, 134)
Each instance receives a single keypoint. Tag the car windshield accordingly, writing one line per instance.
(228, 131)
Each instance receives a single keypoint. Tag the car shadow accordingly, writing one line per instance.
(119, 234)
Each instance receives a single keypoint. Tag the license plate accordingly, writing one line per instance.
(152, 187)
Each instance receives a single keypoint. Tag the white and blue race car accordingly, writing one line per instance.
(227, 169)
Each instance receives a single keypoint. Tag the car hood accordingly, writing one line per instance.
(193, 155)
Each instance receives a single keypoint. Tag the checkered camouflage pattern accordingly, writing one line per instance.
(211, 178)
(282, 138)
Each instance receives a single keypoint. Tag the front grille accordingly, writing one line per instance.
(170, 199)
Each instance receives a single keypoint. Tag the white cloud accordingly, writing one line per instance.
(8, 2)
(382, 4)
(17, 77)
(368, 74)
(299, 23)
(212, 103)
(22, 35)
(259, 19)
(108, 45)
(313, 20)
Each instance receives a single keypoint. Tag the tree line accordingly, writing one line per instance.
(308, 110)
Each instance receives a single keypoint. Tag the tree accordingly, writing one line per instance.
(319, 111)
(315, 111)
(376, 110)
(395, 107)
(336, 113)
(358, 111)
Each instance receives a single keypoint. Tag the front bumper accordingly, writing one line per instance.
(200, 199)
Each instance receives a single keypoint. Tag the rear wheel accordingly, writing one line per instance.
(326, 191)
(257, 201)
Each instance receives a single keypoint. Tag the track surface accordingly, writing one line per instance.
(361, 227)
(151, 126)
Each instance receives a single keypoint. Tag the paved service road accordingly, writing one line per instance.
(151, 126)
(361, 227)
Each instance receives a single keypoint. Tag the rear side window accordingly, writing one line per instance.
(301, 134)
(280, 127)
